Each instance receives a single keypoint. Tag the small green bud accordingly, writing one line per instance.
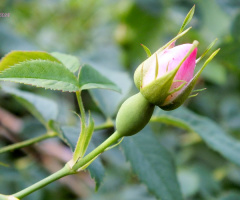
(133, 115)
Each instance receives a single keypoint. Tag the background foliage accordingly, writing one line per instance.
(107, 34)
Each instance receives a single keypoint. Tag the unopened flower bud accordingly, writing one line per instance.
(165, 78)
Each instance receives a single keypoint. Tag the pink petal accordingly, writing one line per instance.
(168, 59)
(186, 70)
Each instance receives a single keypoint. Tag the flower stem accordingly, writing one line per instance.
(100, 149)
(3, 197)
(107, 124)
(67, 169)
(28, 142)
(57, 175)
(82, 111)
(7, 197)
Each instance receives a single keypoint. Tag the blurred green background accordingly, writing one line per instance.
(108, 34)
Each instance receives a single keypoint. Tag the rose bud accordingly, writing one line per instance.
(166, 78)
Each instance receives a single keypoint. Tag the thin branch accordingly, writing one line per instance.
(27, 142)
(105, 125)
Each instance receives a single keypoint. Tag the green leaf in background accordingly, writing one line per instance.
(122, 192)
(230, 56)
(17, 175)
(109, 101)
(96, 168)
(16, 57)
(214, 24)
(12, 40)
(69, 61)
(208, 185)
(236, 28)
(42, 73)
(189, 182)
(230, 196)
(230, 112)
(40, 107)
(215, 73)
(153, 164)
(70, 135)
(209, 131)
(90, 78)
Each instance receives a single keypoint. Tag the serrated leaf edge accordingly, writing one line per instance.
(20, 63)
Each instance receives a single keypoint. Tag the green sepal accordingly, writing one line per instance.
(179, 100)
(114, 145)
(199, 90)
(133, 115)
(193, 95)
(206, 51)
(157, 91)
(178, 88)
(187, 19)
(173, 40)
(147, 50)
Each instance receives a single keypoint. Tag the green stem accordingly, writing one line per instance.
(82, 111)
(7, 197)
(57, 175)
(3, 197)
(108, 142)
(107, 124)
(27, 142)
(79, 147)
(66, 170)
